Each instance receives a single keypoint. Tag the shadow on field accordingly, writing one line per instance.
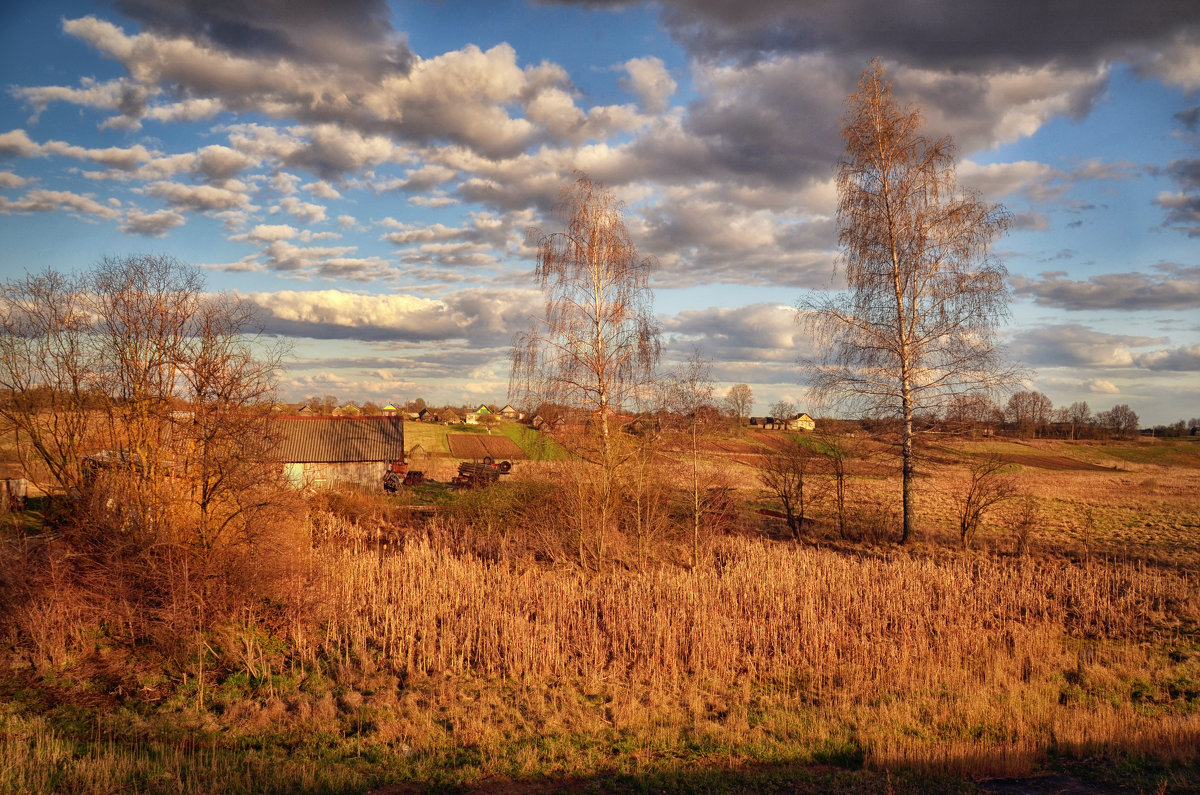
(1092, 775)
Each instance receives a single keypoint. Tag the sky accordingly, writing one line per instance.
(367, 172)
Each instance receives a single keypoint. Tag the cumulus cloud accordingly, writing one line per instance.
(474, 315)
(463, 96)
(650, 81)
(352, 33)
(1189, 118)
(1074, 345)
(706, 236)
(1101, 387)
(267, 233)
(18, 143)
(200, 198)
(48, 201)
(123, 95)
(11, 180)
(155, 224)
(1170, 287)
(1176, 61)
(757, 332)
(1182, 359)
(307, 212)
(323, 190)
(222, 162)
(477, 243)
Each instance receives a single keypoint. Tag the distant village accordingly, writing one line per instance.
(545, 418)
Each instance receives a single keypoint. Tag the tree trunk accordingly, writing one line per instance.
(907, 470)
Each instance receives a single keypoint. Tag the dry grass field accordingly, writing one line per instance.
(449, 659)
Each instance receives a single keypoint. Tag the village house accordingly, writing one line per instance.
(323, 452)
(801, 422)
(473, 417)
(509, 413)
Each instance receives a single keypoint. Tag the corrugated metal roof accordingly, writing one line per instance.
(305, 440)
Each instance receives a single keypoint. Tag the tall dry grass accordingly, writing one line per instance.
(971, 662)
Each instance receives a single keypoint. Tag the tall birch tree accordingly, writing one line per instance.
(916, 324)
(596, 343)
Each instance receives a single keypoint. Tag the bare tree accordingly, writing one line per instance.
(916, 324)
(1079, 415)
(690, 396)
(1028, 412)
(971, 413)
(985, 487)
(596, 343)
(784, 474)
(48, 375)
(739, 400)
(1120, 421)
(782, 411)
(837, 452)
(166, 389)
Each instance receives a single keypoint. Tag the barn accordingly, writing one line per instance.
(326, 452)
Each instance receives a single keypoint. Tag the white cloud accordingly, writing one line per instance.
(11, 180)
(479, 315)
(1101, 387)
(322, 189)
(155, 224)
(18, 143)
(47, 201)
(304, 211)
(199, 198)
(650, 81)
(268, 233)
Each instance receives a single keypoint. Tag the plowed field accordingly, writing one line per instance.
(476, 447)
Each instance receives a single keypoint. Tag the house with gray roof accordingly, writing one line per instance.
(324, 452)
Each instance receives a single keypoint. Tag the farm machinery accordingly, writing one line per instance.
(470, 474)
(398, 474)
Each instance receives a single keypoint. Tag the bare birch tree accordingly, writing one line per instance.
(916, 323)
(596, 343)
(690, 396)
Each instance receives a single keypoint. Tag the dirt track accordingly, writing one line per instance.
(1057, 463)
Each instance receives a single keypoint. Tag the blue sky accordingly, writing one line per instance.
(366, 172)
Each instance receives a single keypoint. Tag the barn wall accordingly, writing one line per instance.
(368, 475)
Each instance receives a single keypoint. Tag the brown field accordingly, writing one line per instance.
(476, 446)
(457, 656)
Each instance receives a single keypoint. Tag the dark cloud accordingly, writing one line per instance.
(936, 33)
(778, 119)
(1185, 359)
(354, 33)
(1189, 118)
(1172, 288)
(1186, 173)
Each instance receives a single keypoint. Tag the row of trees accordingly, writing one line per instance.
(1032, 414)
